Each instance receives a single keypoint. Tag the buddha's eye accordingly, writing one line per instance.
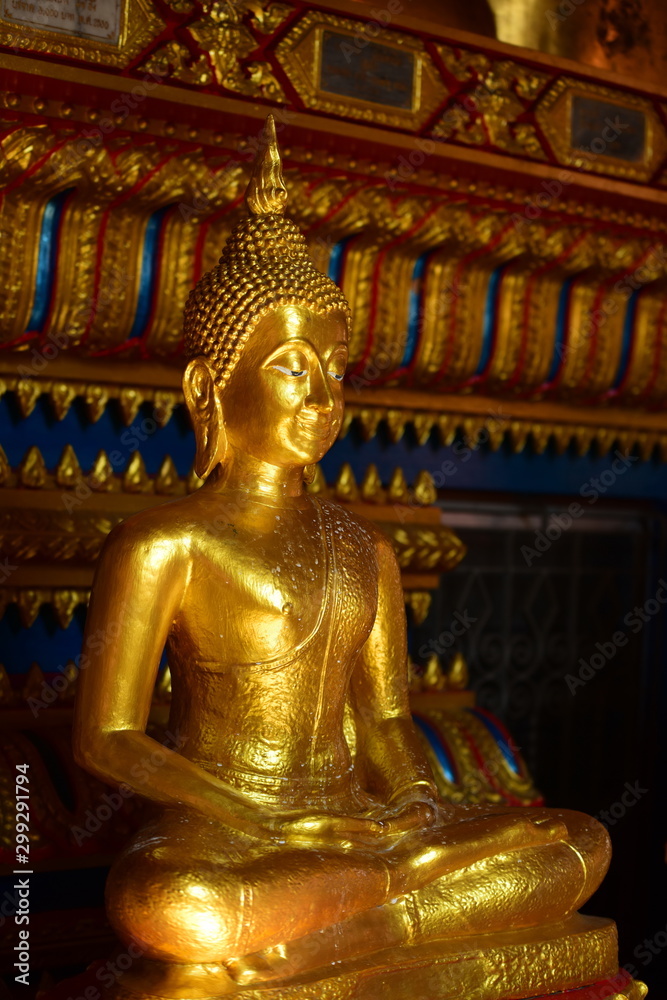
(339, 378)
(290, 371)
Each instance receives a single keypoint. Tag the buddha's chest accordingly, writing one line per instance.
(262, 598)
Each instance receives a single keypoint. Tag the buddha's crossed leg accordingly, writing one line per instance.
(508, 891)
(184, 896)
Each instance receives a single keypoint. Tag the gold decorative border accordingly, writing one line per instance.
(122, 473)
(498, 425)
(300, 55)
(478, 419)
(554, 114)
(140, 24)
(95, 394)
(63, 600)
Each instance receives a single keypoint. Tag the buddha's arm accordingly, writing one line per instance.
(391, 755)
(137, 592)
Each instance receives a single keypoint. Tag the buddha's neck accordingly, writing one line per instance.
(260, 480)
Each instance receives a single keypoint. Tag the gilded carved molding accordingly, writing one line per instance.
(491, 98)
(229, 44)
(64, 516)
(492, 107)
(417, 273)
(223, 44)
(53, 535)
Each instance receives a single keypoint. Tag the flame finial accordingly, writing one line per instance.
(267, 194)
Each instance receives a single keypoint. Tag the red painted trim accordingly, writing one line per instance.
(658, 351)
(464, 262)
(599, 298)
(375, 292)
(103, 227)
(530, 288)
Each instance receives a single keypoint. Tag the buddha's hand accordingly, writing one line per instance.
(328, 830)
(415, 809)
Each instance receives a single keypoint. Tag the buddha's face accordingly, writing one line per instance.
(284, 401)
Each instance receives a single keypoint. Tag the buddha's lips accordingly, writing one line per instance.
(313, 425)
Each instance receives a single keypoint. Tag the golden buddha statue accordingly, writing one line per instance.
(298, 837)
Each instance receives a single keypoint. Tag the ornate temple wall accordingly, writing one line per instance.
(496, 216)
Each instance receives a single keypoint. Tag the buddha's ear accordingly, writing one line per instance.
(202, 398)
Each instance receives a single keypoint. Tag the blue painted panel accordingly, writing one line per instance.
(414, 309)
(628, 329)
(438, 747)
(561, 329)
(589, 121)
(149, 259)
(44, 642)
(47, 259)
(337, 260)
(489, 321)
(499, 737)
(109, 433)
(378, 73)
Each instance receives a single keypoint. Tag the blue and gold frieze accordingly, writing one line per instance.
(454, 294)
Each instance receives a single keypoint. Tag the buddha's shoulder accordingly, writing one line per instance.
(347, 523)
(167, 527)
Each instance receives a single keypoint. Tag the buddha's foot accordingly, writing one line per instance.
(272, 963)
(507, 832)
(382, 927)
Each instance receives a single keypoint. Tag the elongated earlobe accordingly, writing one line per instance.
(203, 403)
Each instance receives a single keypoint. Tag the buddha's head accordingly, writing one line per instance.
(266, 334)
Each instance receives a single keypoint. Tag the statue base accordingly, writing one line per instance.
(580, 952)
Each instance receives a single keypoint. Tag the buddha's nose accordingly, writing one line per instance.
(320, 397)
